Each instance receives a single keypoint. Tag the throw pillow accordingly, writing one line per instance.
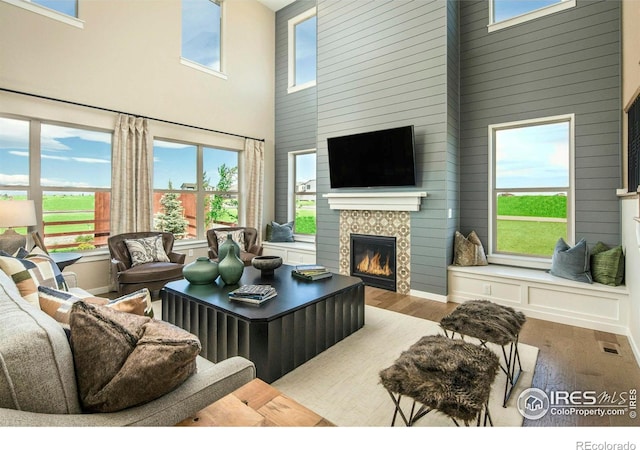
(123, 360)
(58, 303)
(32, 271)
(468, 251)
(236, 235)
(572, 263)
(282, 232)
(146, 250)
(607, 264)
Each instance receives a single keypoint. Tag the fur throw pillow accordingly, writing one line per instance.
(123, 360)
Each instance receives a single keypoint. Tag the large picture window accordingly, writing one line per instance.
(531, 187)
(67, 172)
(195, 188)
(302, 51)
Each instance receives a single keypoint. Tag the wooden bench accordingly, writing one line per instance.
(541, 295)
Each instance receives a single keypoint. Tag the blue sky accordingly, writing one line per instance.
(534, 156)
(305, 40)
(71, 157)
(200, 38)
(505, 9)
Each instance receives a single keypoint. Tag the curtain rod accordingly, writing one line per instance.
(121, 112)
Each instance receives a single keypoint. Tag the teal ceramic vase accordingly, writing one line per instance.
(231, 268)
(226, 245)
(201, 271)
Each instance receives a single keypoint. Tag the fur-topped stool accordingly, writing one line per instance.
(447, 375)
(489, 322)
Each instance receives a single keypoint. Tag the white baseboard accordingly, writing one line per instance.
(429, 296)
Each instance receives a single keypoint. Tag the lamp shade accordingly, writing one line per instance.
(17, 213)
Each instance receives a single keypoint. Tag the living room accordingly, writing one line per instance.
(434, 65)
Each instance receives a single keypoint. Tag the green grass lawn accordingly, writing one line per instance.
(533, 205)
(529, 238)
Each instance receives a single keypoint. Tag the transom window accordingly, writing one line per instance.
(531, 186)
(302, 176)
(505, 13)
(201, 34)
(188, 175)
(65, 11)
(302, 51)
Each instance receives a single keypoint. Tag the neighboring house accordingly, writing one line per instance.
(306, 186)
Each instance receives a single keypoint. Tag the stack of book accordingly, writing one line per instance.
(253, 293)
(311, 272)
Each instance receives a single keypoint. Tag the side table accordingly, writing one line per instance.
(64, 259)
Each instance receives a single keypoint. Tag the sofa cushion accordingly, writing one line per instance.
(31, 271)
(468, 251)
(36, 363)
(123, 360)
(58, 303)
(146, 250)
(572, 263)
(607, 264)
(282, 232)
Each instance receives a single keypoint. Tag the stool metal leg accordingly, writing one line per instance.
(513, 371)
(414, 416)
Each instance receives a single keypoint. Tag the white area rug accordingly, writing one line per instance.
(342, 383)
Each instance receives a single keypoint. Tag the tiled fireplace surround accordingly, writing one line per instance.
(377, 214)
(378, 223)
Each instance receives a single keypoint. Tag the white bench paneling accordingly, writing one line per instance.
(292, 253)
(541, 295)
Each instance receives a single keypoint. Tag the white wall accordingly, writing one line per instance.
(127, 58)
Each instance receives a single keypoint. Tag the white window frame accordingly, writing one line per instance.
(521, 260)
(194, 65)
(291, 86)
(47, 12)
(200, 192)
(526, 17)
(291, 192)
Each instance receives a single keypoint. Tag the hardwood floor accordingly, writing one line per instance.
(570, 358)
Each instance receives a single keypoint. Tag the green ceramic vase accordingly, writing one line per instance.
(226, 245)
(201, 271)
(231, 268)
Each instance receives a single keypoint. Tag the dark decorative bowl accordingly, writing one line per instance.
(266, 264)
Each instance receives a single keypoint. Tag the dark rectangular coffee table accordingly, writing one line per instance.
(304, 319)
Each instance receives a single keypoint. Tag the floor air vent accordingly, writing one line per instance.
(610, 348)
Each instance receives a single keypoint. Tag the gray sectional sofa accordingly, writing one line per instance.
(38, 384)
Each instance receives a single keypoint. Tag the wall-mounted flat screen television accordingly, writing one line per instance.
(373, 159)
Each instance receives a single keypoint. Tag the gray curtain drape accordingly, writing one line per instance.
(253, 184)
(131, 191)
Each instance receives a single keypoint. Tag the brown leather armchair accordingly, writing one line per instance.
(251, 249)
(152, 275)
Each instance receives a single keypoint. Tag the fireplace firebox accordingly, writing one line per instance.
(373, 259)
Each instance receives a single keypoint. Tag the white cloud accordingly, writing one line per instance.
(21, 180)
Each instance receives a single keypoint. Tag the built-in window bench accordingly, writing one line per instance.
(541, 295)
(292, 253)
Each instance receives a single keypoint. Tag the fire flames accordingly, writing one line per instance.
(373, 266)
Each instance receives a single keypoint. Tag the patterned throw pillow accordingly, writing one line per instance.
(123, 360)
(281, 232)
(146, 250)
(572, 263)
(32, 271)
(607, 264)
(236, 235)
(468, 251)
(58, 303)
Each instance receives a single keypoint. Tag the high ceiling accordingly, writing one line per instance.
(275, 5)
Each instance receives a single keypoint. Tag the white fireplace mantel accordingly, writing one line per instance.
(376, 201)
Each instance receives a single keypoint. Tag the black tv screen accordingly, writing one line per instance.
(373, 159)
